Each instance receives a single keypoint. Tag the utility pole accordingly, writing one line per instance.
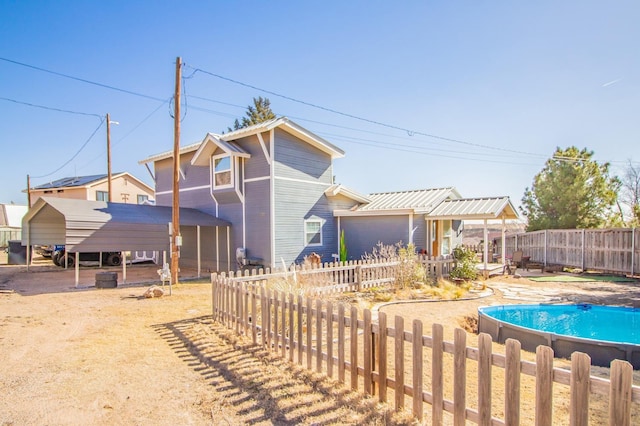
(175, 216)
(109, 157)
(28, 192)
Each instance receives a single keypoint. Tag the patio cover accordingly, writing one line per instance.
(90, 226)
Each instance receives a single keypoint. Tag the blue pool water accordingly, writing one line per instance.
(607, 323)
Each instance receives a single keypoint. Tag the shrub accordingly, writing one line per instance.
(466, 264)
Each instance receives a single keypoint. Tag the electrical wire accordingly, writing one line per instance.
(59, 74)
(50, 108)
(74, 155)
(410, 132)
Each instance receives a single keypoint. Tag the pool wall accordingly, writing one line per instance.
(601, 353)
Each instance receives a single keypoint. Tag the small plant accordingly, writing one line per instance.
(465, 268)
(343, 248)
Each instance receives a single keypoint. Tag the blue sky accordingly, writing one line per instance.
(475, 95)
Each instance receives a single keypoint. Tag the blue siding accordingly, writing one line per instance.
(296, 160)
(257, 165)
(362, 234)
(258, 220)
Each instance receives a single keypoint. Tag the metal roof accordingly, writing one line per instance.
(282, 122)
(339, 189)
(88, 226)
(423, 200)
(475, 208)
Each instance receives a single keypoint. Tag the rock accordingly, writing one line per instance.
(153, 291)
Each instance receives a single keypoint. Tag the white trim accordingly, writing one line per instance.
(237, 179)
(257, 179)
(244, 213)
(182, 173)
(390, 212)
(302, 181)
(231, 171)
(272, 196)
(264, 148)
(312, 220)
(193, 188)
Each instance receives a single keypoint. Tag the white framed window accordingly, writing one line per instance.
(313, 232)
(446, 237)
(222, 170)
(142, 198)
(102, 196)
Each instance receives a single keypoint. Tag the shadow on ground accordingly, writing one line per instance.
(262, 388)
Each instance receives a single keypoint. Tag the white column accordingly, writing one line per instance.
(77, 268)
(504, 243)
(486, 245)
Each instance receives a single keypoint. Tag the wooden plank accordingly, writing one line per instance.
(283, 305)
(437, 376)
(263, 322)
(417, 369)
(544, 386)
(300, 310)
(254, 316)
(309, 316)
(329, 339)
(276, 305)
(319, 335)
(512, 382)
(291, 328)
(620, 394)
(484, 379)
(399, 362)
(382, 356)
(580, 372)
(367, 353)
(353, 324)
(341, 339)
(459, 376)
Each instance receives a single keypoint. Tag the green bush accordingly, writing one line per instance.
(466, 264)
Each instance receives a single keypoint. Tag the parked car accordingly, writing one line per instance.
(109, 258)
(44, 251)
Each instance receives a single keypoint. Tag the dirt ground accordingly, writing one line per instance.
(79, 355)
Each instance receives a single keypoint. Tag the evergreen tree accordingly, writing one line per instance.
(259, 112)
(572, 191)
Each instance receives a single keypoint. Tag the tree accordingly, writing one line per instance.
(630, 193)
(572, 191)
(259, 112)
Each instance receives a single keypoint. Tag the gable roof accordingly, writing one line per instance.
(339, 189)
(11, 215)
(87, 181)
(282, 123)
(475, 208)
(209, 145)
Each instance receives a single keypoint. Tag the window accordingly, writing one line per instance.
(142, 199)
(102, 196)
(446, 238)
(222, 172)
(313, 232)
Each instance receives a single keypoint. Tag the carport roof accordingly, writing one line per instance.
(475, 208)
(102, 226)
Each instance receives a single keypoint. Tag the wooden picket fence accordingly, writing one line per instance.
(348, 276)
(375, 357)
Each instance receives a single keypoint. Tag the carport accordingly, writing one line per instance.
(96, 226)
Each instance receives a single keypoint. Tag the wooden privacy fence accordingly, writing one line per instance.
(350, 276)
(408, 368)
(615, 250)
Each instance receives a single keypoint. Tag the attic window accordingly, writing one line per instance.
(222, 172)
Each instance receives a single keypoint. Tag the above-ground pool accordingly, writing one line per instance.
(604, 332)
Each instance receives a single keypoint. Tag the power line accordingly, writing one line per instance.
(74, 155)
(410, 132)
(50, 108)
(59, 74)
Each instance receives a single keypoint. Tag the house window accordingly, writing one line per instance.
(222, 172)
(447, 237)
(313, 232)
(102, 196)
(142, 199)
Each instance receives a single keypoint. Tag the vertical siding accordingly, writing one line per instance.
(362, 234)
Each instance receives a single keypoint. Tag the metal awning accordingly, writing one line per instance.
(87, 226)
(490, 208)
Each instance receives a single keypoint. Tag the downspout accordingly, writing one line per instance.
(410, 228)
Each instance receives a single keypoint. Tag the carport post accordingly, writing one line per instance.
(77, 268)
(124, 267)
(198, 245)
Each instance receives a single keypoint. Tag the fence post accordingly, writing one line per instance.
(579, 383)
(300, 325)
(341, 343)
(437, 378)
(358, 277)
(399, 362)
(382, 356)
(583, 249)
(319, 335)
(329, 339)
(512, 382)
(544, 385)
(367, 353)
(459, 376)
(620, 393)
(417, 369)
(484, 378)
(354, 347)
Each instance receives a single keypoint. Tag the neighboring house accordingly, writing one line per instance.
(10, 222)
(126, 189)
(273, 182)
